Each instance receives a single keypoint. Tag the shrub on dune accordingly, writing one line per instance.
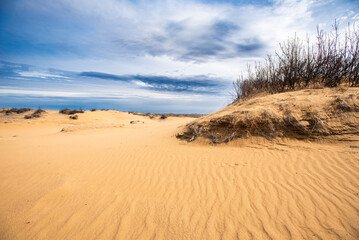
(330, 62)
(35, 114)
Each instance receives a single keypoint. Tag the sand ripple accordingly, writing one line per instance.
(129, 183)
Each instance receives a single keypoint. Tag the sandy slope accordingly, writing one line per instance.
(109, 179)
(330, 113)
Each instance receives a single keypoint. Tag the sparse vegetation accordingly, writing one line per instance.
(70, 111)
(15, 110)
(74, 117)
(35, 114)
(330, 62)
(93, 110)
(153, 115)
(134, 122)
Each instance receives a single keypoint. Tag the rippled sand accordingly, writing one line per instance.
(108, 179)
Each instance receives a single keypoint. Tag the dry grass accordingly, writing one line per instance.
(301, 115)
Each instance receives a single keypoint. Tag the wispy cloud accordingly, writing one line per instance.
(19, 82)
(196, 84)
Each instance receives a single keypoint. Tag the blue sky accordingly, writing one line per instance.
(149, 56)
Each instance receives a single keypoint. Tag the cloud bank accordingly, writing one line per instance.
(157, 47)
(30, 86)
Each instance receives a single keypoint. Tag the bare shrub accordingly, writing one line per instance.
(330, 62)
(70, 111)
(35, 114)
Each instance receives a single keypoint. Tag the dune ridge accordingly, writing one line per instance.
(140, 182)
(305, 114)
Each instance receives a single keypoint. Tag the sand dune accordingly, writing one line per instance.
(304, 114)
(138, 181)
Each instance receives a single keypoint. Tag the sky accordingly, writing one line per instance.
(147, 56)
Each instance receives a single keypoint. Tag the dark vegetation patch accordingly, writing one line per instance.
(134, 122)
(15, 110)
(166, 115)
(35, 114)
(70, 111)
(74, 117)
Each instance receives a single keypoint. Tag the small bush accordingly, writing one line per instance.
(93, 110)
(35, 114)
(39, 111)
(163, 116)
(74, 117)
(70, 111)
(64, 111)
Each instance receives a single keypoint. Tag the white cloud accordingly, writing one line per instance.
(105, 92)
(39, 74)
(141, 84)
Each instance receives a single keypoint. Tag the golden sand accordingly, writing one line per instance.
(104, 178)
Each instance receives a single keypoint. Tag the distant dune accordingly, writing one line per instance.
(115, 175)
